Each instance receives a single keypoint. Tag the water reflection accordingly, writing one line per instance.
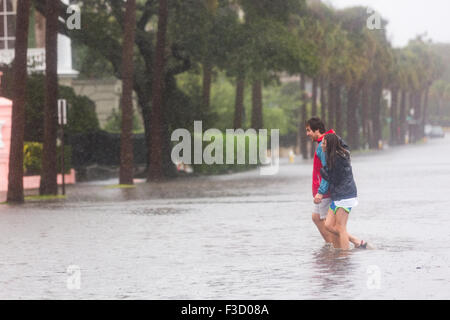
(332, 269)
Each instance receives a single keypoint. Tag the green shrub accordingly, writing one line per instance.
(226, 168)
(32, 161)
(32, 158)
(81, 115)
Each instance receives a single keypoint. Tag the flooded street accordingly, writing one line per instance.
(239, 236)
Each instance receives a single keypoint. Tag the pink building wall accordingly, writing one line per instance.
(5, 140)
(30, 182)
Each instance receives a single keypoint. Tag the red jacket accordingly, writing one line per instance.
(316, 177)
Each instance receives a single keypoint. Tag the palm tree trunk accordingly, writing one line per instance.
(314, 109)
(239, 104)
(365, 105)
(394, 122)
(257, 107)
(375, 114)
(352, 122)
(126, 137)
(411, 106)
(323, 102)
(337, 109)
(314, 98)
(302, 133)
(402, 119)
(49, 159)
(207, 79)
(15, 175)
(417, 115)
(425, 109)
(331, 104)
(157, 126)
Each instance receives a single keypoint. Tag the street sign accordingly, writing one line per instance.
(62, 120)
(62, 111)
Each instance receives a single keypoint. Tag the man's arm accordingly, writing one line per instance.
(324, 184)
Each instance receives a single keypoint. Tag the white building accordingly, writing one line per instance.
(105, 93)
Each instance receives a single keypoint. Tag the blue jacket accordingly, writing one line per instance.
(341, 182)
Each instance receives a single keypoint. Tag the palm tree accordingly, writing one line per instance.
(15, 175)
(49, 172)
(239, 103)
(303, 116)
(157, 126)
(257, 105)
(211, 8)
(126, 138)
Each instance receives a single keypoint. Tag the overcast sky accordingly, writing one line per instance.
(408, 18)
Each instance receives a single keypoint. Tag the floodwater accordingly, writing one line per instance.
(239, 236)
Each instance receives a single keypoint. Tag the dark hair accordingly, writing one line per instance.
(334, 148)
(316, 124)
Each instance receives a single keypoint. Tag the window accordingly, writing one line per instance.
(7, 24)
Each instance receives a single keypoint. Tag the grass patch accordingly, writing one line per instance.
(45, 197)
(121, 186)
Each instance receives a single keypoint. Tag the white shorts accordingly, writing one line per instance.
(347, 203)
(322, 208)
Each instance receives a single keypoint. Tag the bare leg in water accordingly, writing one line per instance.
(330, 224)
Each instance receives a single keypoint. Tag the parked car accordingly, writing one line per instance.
(437, 132)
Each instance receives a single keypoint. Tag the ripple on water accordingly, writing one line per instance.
(157, 211)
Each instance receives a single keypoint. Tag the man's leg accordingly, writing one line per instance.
(327, 236)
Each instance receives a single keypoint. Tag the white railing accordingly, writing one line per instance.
(35, 58)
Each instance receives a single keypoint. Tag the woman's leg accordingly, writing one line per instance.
(341, 227)
(354, 240)
(330, 223)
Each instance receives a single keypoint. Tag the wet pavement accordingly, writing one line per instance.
(238, 236)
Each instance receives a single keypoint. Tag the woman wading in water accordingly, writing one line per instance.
(343, 192)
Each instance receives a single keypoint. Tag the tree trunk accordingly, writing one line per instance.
(144, 101)
(239, 104)
(365, 106)
(257, 107)
(15, 174)
(394, 122)
(126, 137)
(155, 171)
(410, 107)
(314, 98)
(337, 110)
(323, 103)
(352, 122)
(302, 132)
(207, 79)
(375, 114)
(417, 115)
(425, 109)
(402, 119)
(49, 185)
(331, 104)
(314, 109)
